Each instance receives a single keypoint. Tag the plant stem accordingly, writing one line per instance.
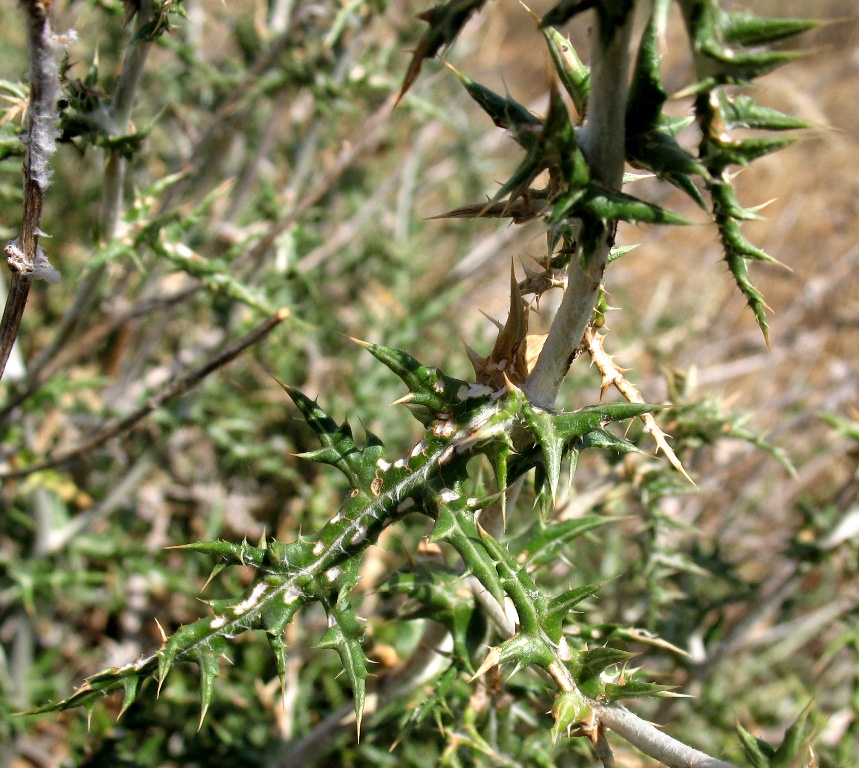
(22, 256)
(602, 141)
(653, 742)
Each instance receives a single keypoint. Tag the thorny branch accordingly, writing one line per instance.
(26, 260)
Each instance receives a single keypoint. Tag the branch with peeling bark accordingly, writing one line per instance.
(24, 256)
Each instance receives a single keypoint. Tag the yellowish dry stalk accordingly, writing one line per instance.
(612, 375)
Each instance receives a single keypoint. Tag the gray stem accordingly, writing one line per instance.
(602, 141)
(653, 742)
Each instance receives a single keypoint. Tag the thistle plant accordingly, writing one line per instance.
(482, 575)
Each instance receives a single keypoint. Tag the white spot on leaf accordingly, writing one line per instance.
(250, 602)
(447, 495)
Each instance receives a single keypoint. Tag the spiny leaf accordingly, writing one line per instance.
(345, 638)
(600, 438)
(560, 606)
(278, 649)
(338, 446)
(619, 251)
(437, 593)
(549, 542)
(734, 65)
(610, 205)
(758, 752)
(646, 92)
(445, 22)
(749, 30)
(208, 659)
(795, 747)
(741, 111)
(456, 526)
(550, 442)
(428, 387)
(726, 206)
(574, 75)
(578, 423)
(505, 112)
(721, 154)
(633, 689)
(569, 710)
(499, 455)
(594, 661)
(525, 649)
(518, 585)
(237, 554)
(660, 153)
(736, 244)
(130, 686)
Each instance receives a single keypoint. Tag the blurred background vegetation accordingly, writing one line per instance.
(266, 169)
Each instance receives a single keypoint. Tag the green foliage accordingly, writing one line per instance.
(511, 620)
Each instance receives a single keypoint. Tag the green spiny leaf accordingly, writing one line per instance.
(618, 251)
(575, 76)
(721, 154)
(428, 387)
(236, 554)
(130, 686)
(758, 752)
(732, 65)
(741, 111)
(550, 442)
(278, 649)
(525, 649)
(794, 750)
(601, 438)
(568, 710)
(455, 525)
(505, 112)
(609, 205)
(208, 660)
(345, 635)
(574, 424)
(633, 689)
(445, 22)
(749, 30)
(529, 601)
(595, 661)
(646, 92)
(549, 542)
(659, 152)
(338, 446)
